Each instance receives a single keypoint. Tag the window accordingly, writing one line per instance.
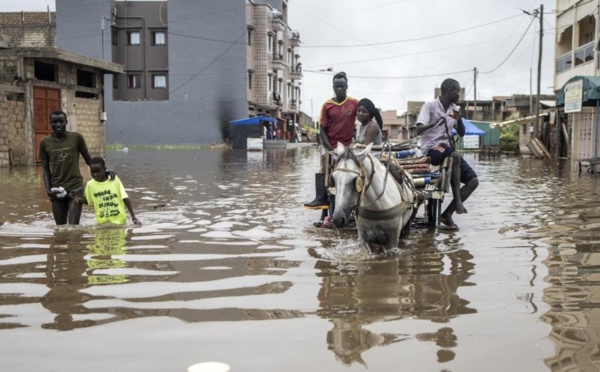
(250, 33)
(159, 81)
(134, 81)
(114, 37)
(159, 38)
(85, 79)
(250, 73)
(270, 84)
(115, 81)
(133, 38)
(290, 57)
(270, 42)
(45, 71)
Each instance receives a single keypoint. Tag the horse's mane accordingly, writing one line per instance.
(390, 163)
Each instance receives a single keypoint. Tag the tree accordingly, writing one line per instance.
(509, 138)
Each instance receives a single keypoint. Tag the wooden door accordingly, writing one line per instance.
(45, 100)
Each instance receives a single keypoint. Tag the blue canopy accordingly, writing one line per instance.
(253, 120)
(470, 129)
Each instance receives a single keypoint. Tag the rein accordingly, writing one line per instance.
(361, 210)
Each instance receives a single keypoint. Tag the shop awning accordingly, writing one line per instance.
(591, 90)
(470, 129)
(253, 120)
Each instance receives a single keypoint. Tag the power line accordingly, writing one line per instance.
(207, 66)
(512, 51)
(345, 32)
(398, 77)
(454, 47)
(205, 38)
(352, 9)
(413, 39)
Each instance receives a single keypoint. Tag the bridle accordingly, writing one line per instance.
(361, 188)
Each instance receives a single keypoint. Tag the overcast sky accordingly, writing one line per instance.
(395, 51)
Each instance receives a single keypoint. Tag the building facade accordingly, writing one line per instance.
(36, 78)
(191, 67)
(576, 55)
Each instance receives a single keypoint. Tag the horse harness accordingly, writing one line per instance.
(359, 186)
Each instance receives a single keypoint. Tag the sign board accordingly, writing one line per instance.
(574, 96)
(471, 142)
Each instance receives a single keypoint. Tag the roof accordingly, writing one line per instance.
(591, 90)
(470, 129)
(253, 120)
(520, 121)
(63, 55)
(547, 103)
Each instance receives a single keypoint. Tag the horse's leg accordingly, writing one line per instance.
(407, 219)
(405, 232)
(393, 236)
(362, 241)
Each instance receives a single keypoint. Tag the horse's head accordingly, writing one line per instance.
(349, 179)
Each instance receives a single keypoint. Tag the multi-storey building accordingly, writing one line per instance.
(577, 69)
(190, 66)
(576, 40)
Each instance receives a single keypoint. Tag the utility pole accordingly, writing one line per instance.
(540, 15)
(474, 93)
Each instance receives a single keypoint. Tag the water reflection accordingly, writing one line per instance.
(225, 246)
(417, 285)
(65, 275)
(566, 213)
(574, 294)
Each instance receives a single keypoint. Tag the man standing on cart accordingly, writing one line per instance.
(435, 122)
(337, 122)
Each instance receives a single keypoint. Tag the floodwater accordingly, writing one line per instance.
(227, 267)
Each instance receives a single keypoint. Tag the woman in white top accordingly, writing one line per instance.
(370, 130)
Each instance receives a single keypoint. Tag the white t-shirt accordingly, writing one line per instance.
(430, 113)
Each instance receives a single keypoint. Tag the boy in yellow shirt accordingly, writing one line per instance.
(108, 197)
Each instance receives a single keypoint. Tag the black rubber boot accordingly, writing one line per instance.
(321, 201)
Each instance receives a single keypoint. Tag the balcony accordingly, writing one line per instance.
(295, 73)
(584, 54)
(293, 104)
(278, 63)
(295, 39)
(564, 63)
(278, 24)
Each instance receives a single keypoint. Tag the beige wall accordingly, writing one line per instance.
(30, 29)
(12, 132)
(16, 111)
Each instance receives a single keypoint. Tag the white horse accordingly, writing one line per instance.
(384, 207)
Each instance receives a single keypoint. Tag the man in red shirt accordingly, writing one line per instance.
(337, 119)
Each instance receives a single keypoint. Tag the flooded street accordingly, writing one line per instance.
(227, 267)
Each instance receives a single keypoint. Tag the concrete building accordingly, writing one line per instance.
(394, 126)
(36, 79)
(190, 66)
(577, 67)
